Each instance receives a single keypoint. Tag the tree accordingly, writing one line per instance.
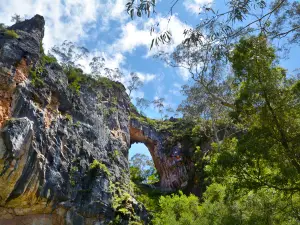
(142, 169)
(253, 176)
(178, 209)
(134, 83)
(143, 7)
(16, 18)
(69, 53)
(142, 104)
(136, 174)
(205, 49)
(275, 19)
(264, 158)
(113, 74)
(97, 65)
(159, 104)
(169, 110)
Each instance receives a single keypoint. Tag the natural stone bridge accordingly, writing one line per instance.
(172, 174)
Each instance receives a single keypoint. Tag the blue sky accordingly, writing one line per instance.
(106, 30)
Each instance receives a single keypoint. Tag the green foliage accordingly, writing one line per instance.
(114, 101)
(145, 7)
(73, 170)
(265, 206)
(148, 196)
(42, 51)
(47, 59)
(178, 209)
(11, 33)
(268, 108)
(35, 78)
(254, 176)
(136, 174)
(112, 110)
(124, 209)
(258, 173)
(75, 77)
(133, 108)
(77, 124)
(106, 113)
(69, 117)
(142, 169)
(96, 166)
(104, 81)
(116, 154)
(40, 68)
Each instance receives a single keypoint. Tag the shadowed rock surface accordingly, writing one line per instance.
(57, 147)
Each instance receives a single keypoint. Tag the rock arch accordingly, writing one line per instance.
(173, 174)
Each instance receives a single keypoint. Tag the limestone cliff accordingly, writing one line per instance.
(64, 152)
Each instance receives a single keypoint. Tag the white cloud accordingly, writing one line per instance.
(145, 77)
(177, 85)
(111, 61)
(136, 34)
(194, 6)
(137, 94)
(65, 19)
(131, 38)
(176, 90)
(183, 73)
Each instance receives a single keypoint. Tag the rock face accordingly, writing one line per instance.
(64, 154)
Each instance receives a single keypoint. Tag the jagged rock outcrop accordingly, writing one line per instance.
(64, 154)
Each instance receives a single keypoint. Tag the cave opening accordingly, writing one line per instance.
(141, 165)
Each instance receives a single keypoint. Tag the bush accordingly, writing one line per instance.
(136, 174)
(96, 165)
(75, 77)
(46, 59)
(69, 117)
(35, 79)
(178, 210)
(11, 33)
(147, 195)
(115, 154)
(106, 82)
